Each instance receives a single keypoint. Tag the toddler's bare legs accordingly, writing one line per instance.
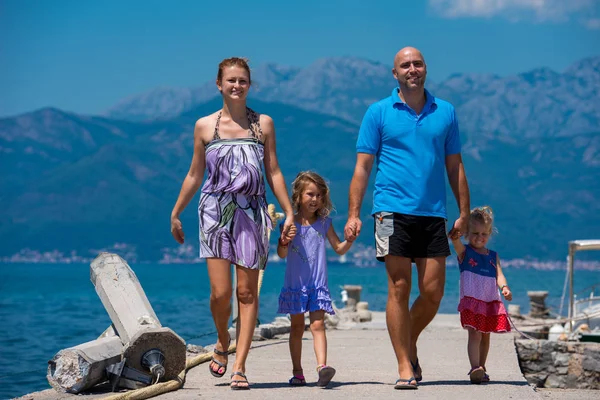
(473, 347)
(484, 348)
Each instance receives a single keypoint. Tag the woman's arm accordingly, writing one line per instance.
(338, 246)
(192, 180)
(501, 280)
(273, 173)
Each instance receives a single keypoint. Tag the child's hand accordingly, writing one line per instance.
(507, 293)
(287, 237)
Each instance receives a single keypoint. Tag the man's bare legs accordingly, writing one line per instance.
(219, 274)
(397, 314)
(247, 294)
(432, 278)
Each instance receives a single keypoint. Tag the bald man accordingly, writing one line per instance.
(414, 138)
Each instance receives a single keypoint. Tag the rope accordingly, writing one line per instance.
(564, 292)
(553, 321)
(516, 329)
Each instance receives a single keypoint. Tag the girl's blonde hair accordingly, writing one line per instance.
(483, 215)
(299, 185)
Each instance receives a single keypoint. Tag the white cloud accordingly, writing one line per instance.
(592, 23)
(538, 10)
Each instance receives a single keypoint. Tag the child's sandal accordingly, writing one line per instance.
(298, 378)
(486, 377)
(476, 375)
(326, 373)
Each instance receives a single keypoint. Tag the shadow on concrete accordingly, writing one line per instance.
(278, 385)
(466, 382)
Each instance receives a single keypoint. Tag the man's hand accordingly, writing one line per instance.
(459, 229)
(352, 229)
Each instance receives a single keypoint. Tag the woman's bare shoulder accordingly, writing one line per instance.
(266, 123)
(205, 126)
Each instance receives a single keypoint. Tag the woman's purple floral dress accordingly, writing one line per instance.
(234, 220)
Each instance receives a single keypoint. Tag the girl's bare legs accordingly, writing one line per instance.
(473, 347)
(484, 348)
(295, 342)
(219, 274)
(247, 294)
(317, 328)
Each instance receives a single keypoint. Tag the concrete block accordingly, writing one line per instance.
(122, 296)
(164, 339)
(134, 319)
(78, 368)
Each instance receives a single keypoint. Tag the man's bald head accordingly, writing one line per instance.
(408, 52)
(410, 69)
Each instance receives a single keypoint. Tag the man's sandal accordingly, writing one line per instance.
(417, 370)
(406, 384)
(235, 385)
(225, 353)
(326, 373)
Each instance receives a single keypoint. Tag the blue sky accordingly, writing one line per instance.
(85, 56)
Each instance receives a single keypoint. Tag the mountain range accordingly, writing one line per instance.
(531, 145)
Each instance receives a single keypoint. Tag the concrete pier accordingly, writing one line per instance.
(366, 365)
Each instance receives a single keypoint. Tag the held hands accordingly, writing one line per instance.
(352, 229)
(459, 228)
(289, 231)
(507, 293)
(177, 230)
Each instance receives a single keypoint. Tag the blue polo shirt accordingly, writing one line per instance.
(410, 152)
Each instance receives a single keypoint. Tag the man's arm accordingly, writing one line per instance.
(358, 186)
(458, 182)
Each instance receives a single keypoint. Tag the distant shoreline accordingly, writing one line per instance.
(56, 257)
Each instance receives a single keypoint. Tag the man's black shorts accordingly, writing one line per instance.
(410, 236)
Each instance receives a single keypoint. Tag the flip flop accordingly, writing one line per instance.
(235, 385)
(325, 374)
(297, 380)
(416, 367)
(225, 353)
(405, 384)
(476, 375)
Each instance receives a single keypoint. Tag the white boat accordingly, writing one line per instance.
(584, 308)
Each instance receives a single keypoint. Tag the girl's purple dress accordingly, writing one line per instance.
(305, 287)
(234, 220)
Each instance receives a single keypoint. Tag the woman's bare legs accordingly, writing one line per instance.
(247, 296)
(219, 273)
